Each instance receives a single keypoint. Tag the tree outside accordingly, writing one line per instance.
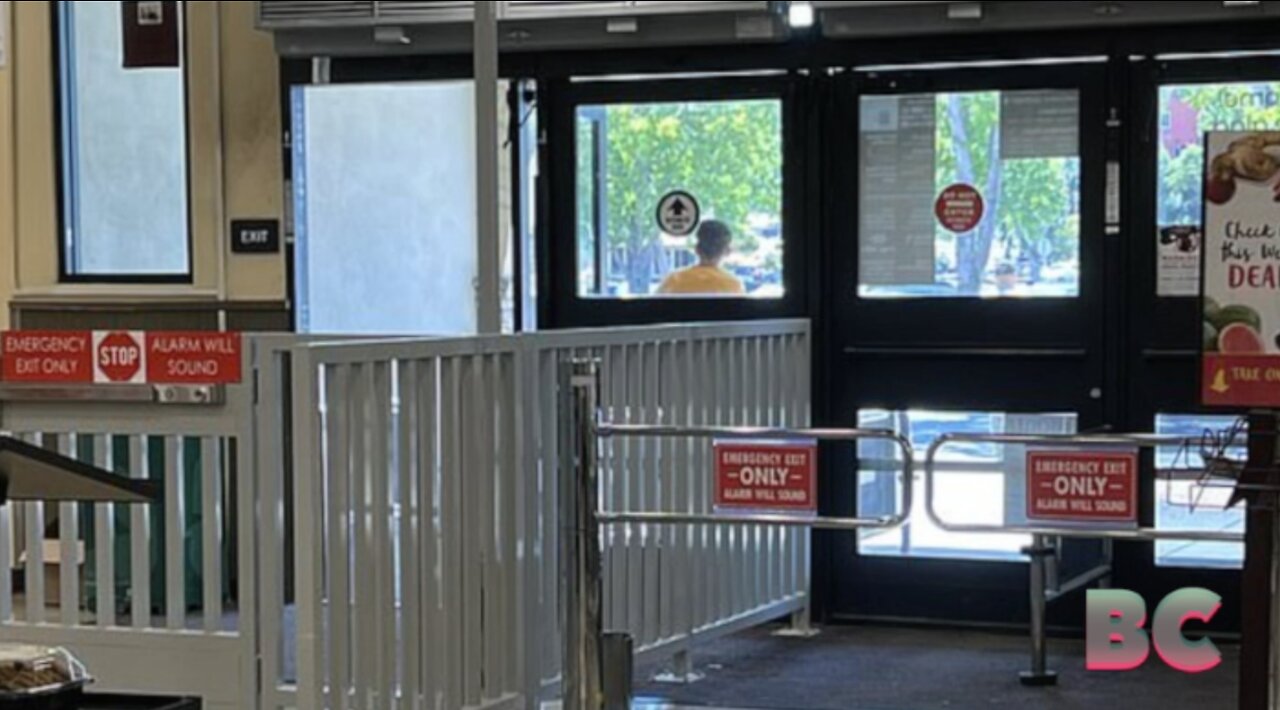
(1032, 203)
(1031, 227)
(728, 154)
(1189, 111)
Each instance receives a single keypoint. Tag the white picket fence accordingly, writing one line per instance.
(122, 598)
(416, 482)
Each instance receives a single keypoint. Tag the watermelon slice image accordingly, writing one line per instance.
(1240, 339)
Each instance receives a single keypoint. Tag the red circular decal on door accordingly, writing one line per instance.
(119, 357)
(960, 208)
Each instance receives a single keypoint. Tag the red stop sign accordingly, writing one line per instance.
(119, 357)
(960, 208)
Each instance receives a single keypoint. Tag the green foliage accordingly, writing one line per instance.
(1221, 107)
(1032, 204)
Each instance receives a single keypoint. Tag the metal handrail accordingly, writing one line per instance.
(655, 431)
(1146, 441)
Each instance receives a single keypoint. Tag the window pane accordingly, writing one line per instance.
(124, 153)
(385, 200)
(1188, 505)
(970, 195)
(726, 154)
(1187, 112)
(976, 483)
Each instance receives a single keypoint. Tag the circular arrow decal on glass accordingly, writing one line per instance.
(679, 214)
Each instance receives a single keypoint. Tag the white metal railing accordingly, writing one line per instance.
(426, 483)
(673, 587)
(156, 598)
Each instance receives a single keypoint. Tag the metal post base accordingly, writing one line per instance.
(673, 678)
(801, 627)
(680, 672)
(1048, 679)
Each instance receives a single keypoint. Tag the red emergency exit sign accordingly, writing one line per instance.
(1082, 486)
(767, 477)
(121, 357)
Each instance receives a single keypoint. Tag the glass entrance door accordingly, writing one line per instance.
(970, 299)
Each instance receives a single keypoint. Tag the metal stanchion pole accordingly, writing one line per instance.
(1039, 675)
(580, 579)
(618, 656)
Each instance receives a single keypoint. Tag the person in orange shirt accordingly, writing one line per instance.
(707, 278)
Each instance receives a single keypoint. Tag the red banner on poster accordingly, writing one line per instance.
(767, 477)
(1241, 380)
(1082, 486)
(121, 357)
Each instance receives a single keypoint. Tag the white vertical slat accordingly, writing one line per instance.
(616, 615)
(312, 447)
(634, 497)
(432, 625)
(755, 406)
(671, 477)
(365, 611)
(508, 585)
(708, 552)
(451, 512)
(756, 403)
(725, 543)
(738, 390)
(69, 543)
(650, 488)
(34, 545)
(407, 574)
(338, 411)
(140, 539)
(104, 527)
(802, 367)
(175, 519)
(383, 618)
(484, 472)
(269, 469)
(748, 404)
(769, 384)
(794, 410)
(382, 613)
(472, 562)
(687, 491)
(529, 611)
(211, 538)
(550, 462)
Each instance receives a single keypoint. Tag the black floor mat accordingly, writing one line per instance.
(872, 668)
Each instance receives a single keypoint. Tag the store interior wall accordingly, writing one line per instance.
(236, 162)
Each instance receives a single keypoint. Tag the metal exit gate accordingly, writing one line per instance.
(593, 658)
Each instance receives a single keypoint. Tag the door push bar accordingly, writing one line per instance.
(587, 683)
(1041, 550)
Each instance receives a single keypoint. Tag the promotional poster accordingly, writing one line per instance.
(1242, 270)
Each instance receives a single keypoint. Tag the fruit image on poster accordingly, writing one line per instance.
(1241, 328)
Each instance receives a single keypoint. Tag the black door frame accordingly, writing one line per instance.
(936, 363)
(559, 100)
